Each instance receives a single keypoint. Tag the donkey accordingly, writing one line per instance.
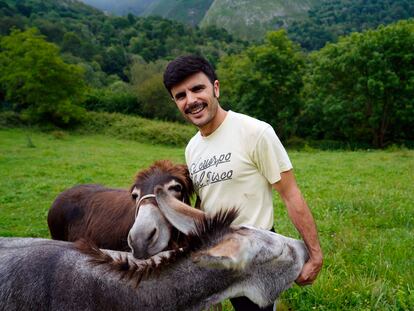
(220, 262)
(106, 216)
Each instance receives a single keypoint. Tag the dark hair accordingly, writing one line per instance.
(184, 66)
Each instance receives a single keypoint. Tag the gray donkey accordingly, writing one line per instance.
(221, 261)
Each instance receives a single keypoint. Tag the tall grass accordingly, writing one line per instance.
(362, 203)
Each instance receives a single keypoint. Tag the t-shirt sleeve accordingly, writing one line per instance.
(270, 156)
(187, 154)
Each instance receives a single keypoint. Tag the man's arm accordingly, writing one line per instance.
(302, 218)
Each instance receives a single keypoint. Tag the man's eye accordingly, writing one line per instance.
(198, 89)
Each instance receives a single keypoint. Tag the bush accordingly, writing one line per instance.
(9, 119)
(111, 101)
(137, 129)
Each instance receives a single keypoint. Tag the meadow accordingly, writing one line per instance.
(362, 202)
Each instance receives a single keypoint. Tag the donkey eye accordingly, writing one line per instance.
(176, 188)
(134, 196)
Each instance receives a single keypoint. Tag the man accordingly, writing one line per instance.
(236, 160)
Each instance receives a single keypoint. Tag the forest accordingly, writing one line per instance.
(330, 19)
(356, 90)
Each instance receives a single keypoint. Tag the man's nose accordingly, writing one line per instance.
(191, 97)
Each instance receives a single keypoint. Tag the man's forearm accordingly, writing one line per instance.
(302, 218)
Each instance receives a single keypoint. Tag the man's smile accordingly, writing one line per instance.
(195, 108)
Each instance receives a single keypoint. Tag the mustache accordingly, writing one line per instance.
(194, 106)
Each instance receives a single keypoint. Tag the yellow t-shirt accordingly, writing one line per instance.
(235, 166)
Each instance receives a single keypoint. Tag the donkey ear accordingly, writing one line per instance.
(180, 215)
(231, 253)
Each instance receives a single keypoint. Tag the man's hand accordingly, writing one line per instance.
(309, 272)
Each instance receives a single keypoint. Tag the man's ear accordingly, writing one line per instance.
(216, 88)
(228, 254)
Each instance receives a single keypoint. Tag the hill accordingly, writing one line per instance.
(120, 7)
(187, 11)
(243, 18)
(111, 43)
(311, 23)
(251, 19)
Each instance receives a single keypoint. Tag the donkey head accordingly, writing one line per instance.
(151, 232)
(266, 262)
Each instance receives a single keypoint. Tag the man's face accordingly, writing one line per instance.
(197, 99)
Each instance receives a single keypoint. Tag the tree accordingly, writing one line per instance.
(36, 80)
(361, 89)
(265, 82)
(114, 61)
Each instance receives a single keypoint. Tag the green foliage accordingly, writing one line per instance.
(330, 19)
(137, 129)
(106, 48)
(362, 88)
(35, 79)
(141, 71)
(112, 41)
(265, 81)
(9, 118)
(118, 97)
(155, 102)
(133, 128)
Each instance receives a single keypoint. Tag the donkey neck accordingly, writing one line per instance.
(180, 286)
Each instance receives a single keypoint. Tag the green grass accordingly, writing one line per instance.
(362, 203)
(32, 177)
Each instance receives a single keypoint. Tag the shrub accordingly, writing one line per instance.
(9, 119)
(137, 129)
(111, 101)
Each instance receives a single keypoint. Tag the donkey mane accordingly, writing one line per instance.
(132, 270)
(212, 228)
(208, 230)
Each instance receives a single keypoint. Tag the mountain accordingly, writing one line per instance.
(187, 11)
(120, 7)
(312, 23)
(251, 19)
(244, 18)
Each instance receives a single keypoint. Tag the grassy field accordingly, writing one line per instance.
(363, 203)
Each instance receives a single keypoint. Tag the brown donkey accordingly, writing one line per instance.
(105, 216)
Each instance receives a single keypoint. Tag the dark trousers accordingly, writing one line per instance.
(245, 304)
